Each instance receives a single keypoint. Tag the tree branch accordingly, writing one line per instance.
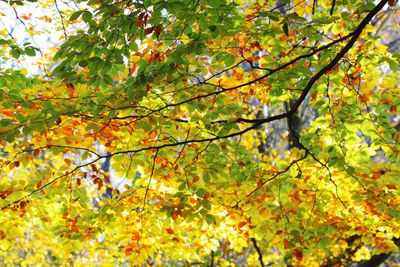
(376, 260)
(259, 252)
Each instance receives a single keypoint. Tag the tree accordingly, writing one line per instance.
(199, 133)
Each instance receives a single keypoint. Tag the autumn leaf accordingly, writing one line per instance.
(299, 254)
(183, 132)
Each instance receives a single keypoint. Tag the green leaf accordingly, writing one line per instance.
(201, 192)
(229, 60)
(16, 53)
(210, 219)
(212, 28)
(324, 243)
(75, 15)
(206, 204)
(107, 79)
(30, 51)
(20, 117)
(215, 3)
(86, 16)
(206, 177)
(5, 122)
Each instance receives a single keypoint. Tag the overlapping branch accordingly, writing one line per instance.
(255, 122)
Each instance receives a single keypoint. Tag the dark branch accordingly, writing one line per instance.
(377, 260)
(212, 259)
(259, 252)
(332, 7)
(356, 33)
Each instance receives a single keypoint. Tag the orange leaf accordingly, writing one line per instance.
(170, 231)
(195, 179)
(129, 249)
(296, 197)
(135, 236)
(68, 162)
(8, 112)
(26, 17)
(393, 109)
(74, 228)
(152, 134)
(376, 175)
(370, 207)
(241, 224)
(132, 69)
(71, 90)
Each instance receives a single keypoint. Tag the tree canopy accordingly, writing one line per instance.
(198, 132)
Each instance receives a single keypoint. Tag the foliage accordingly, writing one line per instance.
(238, 132)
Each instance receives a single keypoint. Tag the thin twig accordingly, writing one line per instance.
(151, 177)
(62, 20)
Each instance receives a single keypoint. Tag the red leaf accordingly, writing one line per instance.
(392, 2)
(99, 183)
(170, 231)
(70, 86)
(148, 30)
(298, 254)
(157, 30)
(286, 243)
(94, 168)
(391, 186)
(5, 193)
